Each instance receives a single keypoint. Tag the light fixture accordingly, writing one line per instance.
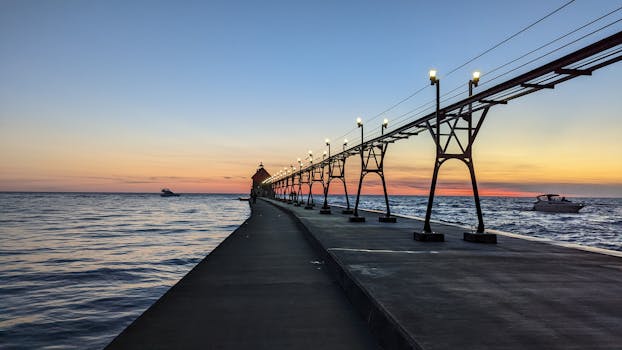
(433, 78)
(475, 79)
(327, 141)
(359, 122)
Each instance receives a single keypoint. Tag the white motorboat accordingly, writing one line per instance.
(553, 203)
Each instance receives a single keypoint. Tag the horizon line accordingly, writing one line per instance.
(244, 193)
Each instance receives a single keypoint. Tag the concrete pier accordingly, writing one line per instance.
(269, 285)
(516, 294)
(262, 288)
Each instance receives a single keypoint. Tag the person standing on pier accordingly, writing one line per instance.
(253, 195)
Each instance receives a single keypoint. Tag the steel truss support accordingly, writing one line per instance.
(303, 178)
(294, 188)
(280, 190)
(284, 183)
(454, 138)
(316, 174)
(277, 190)
(289, 186)
(336, 170)
(372, 161)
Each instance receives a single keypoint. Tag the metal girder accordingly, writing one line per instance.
(538, 86)
(573, 71)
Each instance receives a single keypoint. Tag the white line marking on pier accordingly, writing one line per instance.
(385, 251)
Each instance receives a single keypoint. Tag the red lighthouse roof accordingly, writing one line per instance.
(260, 175)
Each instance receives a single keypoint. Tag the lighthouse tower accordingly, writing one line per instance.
(260, 175)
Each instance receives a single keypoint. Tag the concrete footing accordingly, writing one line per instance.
(347, 211)
(308, 207)
(357, 219)
(480, 237)
(325, 211)
(428, 237)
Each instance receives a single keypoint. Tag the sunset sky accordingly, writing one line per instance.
(133, 96)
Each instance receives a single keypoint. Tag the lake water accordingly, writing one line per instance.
(599, 224)
(76, 269)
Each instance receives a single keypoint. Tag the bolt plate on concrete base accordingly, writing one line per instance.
(325, 211)
(357, 219)
(347, 211)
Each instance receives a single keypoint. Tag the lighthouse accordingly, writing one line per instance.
(260, 188)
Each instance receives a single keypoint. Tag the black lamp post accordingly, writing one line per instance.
(480, 227)
(325, 208)
(310, 196)
(356, 217)
(345, 187)
(434, 81)
(299, 195)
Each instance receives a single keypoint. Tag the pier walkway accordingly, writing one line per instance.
(262, 288)
(267, 286)
(517, 294)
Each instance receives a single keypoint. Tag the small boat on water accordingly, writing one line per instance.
(553, 203)
(168, 193)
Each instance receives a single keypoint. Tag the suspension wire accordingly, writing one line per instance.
(553, 51)
(407, 114)
(510, 71)
(444, 98)
(555, 40)
(511, 37)
(464, 64)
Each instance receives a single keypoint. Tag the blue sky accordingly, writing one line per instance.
(230, 83)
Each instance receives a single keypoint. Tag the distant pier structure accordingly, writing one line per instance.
(262, 189)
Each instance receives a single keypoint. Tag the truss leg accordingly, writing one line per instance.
(428, 213)
(479, 236)
(345, 189)
(299, 196)
(310, 197)
(427, 235)
(325, 206)
(356, 217)
(478, 207)
(387, 217)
